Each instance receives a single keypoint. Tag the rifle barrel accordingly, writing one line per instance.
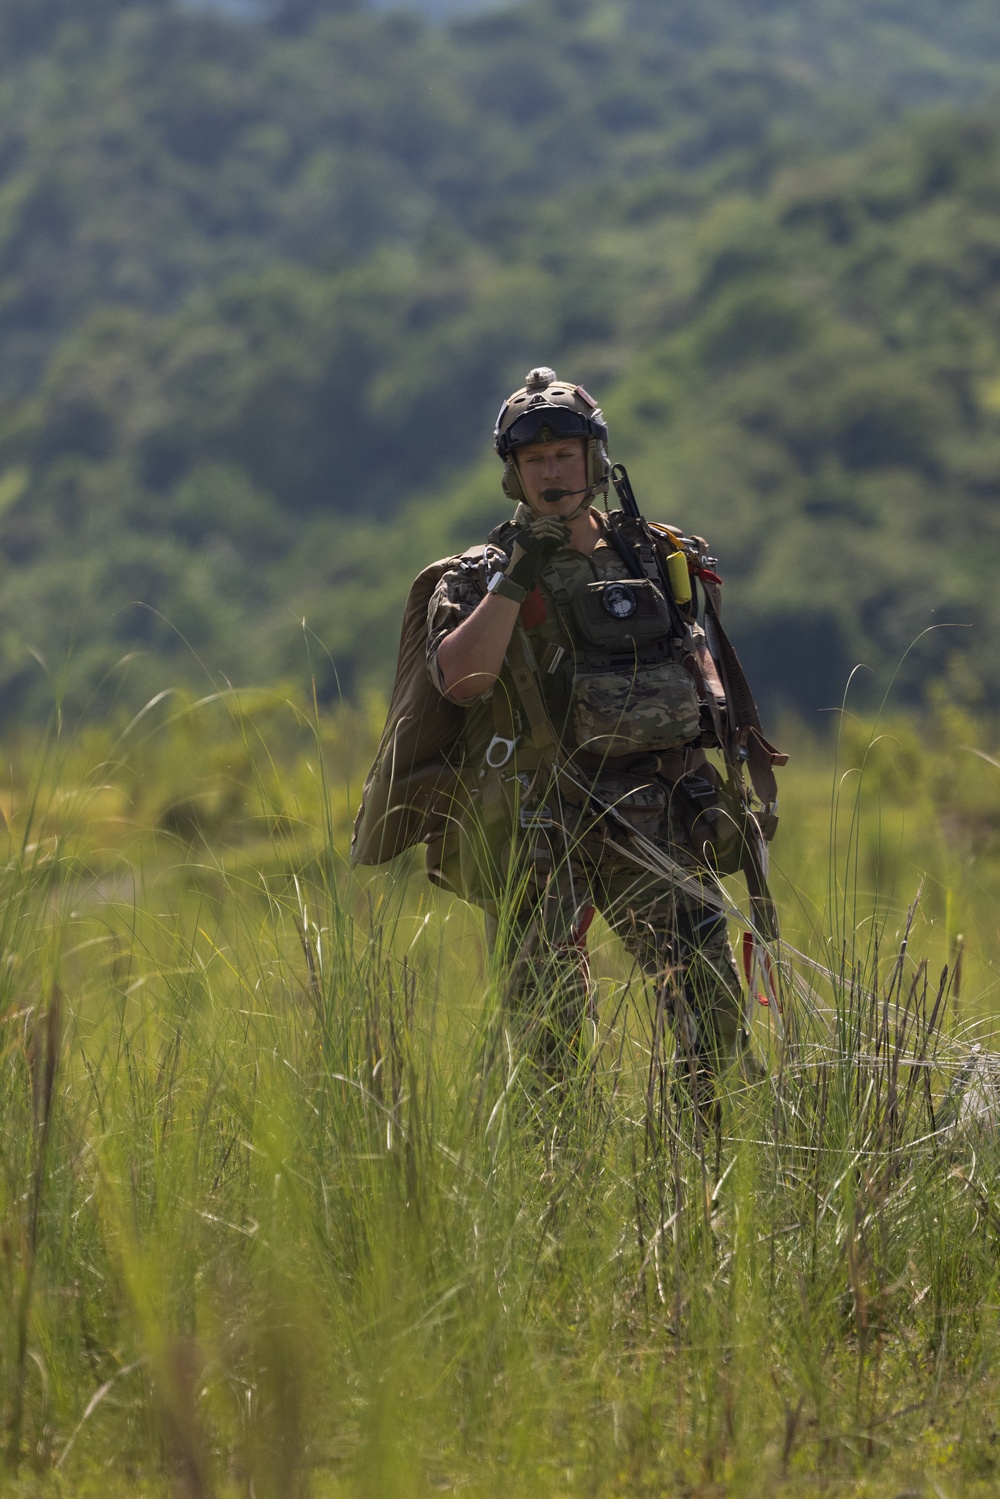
(630, 506)
(625, 492)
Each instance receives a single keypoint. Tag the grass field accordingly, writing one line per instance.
(283, 1213)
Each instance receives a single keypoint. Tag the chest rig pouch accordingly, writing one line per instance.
(628, 694)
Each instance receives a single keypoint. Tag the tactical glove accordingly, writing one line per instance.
(534, 544)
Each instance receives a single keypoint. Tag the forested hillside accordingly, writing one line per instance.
(263, 285)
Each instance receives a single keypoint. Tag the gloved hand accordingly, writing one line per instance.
(534, 544)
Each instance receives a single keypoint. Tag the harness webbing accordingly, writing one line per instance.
(519, 656)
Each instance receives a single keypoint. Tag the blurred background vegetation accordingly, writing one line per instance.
(267, 269)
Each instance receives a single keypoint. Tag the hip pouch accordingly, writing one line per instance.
(708, 817)
(642, 804)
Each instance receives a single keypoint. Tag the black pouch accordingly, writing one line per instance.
(642, 804)
(621, 617)
(708, 818)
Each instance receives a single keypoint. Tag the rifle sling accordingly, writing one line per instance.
(745, 733)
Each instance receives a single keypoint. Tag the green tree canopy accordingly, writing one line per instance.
(264, 282)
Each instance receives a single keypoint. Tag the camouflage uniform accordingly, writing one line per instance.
(530, 847)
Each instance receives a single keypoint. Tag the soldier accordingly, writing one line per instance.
(558, 766)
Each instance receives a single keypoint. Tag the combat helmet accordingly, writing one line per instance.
(547, 409)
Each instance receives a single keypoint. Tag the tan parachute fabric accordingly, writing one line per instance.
(410, 792)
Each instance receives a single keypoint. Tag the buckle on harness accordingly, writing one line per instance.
(499, 751)
(536, 817)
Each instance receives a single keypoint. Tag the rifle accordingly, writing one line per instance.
(744, 746)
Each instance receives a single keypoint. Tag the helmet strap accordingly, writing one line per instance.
(585, 504)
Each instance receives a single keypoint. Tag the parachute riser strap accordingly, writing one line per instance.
(519, 661)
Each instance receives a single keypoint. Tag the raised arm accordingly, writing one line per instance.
(471, 655)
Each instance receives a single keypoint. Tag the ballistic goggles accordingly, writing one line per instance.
(546, 424)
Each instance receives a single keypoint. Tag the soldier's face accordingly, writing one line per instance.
(553, 465)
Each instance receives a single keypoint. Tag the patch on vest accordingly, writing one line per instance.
(619, 600)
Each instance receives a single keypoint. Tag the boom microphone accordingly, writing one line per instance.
(553, 496)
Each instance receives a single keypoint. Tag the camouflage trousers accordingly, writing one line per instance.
(553, 876)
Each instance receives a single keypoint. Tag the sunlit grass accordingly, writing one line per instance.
(283, 1208)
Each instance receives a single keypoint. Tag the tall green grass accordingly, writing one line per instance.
(284, 1209)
